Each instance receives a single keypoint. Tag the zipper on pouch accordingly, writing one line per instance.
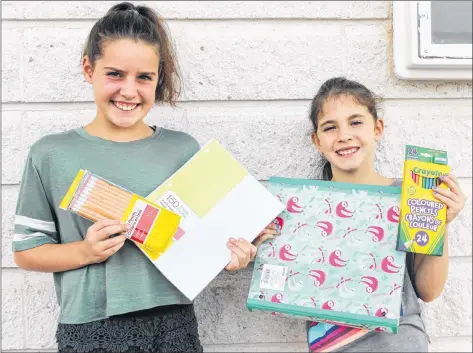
(253, 304)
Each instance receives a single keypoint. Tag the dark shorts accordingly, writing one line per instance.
(170, 328)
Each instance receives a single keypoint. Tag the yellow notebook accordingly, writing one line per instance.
(217, 199)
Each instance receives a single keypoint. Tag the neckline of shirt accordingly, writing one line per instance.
(155, 135)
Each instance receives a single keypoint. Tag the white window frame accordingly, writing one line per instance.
(415, 58)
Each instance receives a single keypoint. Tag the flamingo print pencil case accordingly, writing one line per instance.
(336, 259)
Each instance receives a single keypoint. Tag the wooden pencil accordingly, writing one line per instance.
(108, 213)
(90, 215)
(111, 195)
(104, 203)
(97, 199)
(114, 189)
(117, 204)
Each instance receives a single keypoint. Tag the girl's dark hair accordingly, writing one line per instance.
(139, 23)
(336, 87)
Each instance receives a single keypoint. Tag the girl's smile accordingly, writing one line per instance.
(125, 106)
(347, 152)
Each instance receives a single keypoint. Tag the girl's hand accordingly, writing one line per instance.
(98, 245)
(454, 198)
(242, 253)
(272, 230)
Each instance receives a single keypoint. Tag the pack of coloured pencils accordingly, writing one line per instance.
(95, 198)
(423, 216)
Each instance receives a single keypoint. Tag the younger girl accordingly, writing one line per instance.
(346, 130)
(111, 297)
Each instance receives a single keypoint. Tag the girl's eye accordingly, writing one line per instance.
(328, 128)
(357, 122)
(145, 77)
(114, 74)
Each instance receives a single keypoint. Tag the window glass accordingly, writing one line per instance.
(451, 22)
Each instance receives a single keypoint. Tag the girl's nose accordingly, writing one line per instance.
(344, 135)
(128, 90)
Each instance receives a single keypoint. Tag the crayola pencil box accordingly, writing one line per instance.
(422, 216)
(95, 198)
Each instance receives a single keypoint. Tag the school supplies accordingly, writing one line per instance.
(423, 216)
(95, 198)
(335, 260)
(217, 199)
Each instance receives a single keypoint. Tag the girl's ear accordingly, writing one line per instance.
(315, 140)
(378, 130)
(87, 69)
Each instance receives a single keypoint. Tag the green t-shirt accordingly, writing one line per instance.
(127, 281)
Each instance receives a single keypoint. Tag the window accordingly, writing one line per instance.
(432, 40)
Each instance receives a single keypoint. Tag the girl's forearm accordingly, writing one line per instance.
(52, 257)
(431, 274)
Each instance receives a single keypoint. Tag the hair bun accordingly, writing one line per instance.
(123, 6)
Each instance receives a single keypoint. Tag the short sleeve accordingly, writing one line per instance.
(34, 220)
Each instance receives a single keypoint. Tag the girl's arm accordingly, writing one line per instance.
(431, 271)
(36, 242)
(52, 257)
(95, 248)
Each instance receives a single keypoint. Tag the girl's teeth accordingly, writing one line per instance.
(125, 107)
(343, 153)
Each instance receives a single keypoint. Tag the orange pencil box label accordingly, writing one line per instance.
(423, 216)
(95, 198)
